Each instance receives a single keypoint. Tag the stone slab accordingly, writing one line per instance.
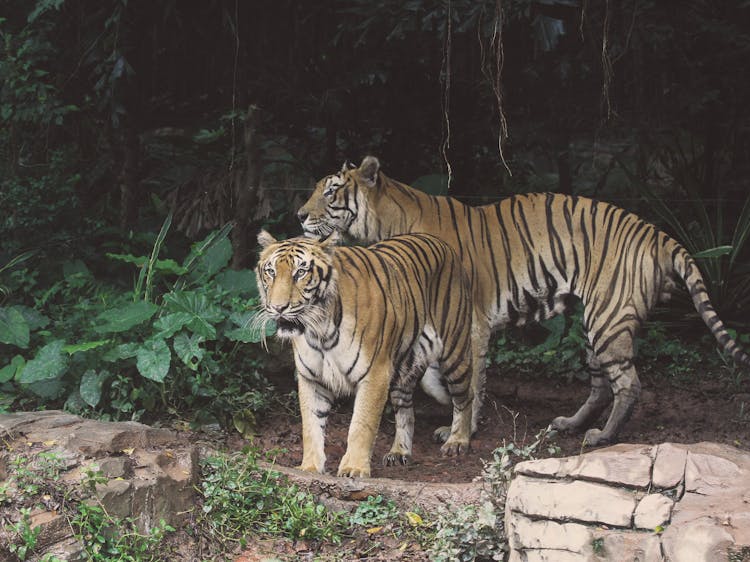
(669, 465)
(576, 500)
(623, 464)
(654, 510)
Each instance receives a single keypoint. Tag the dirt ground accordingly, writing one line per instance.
(702, 407)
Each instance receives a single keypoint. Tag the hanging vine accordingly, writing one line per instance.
(445, 77)
(493, 70)
(607, 72)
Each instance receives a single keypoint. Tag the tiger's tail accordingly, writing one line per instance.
(685, 267)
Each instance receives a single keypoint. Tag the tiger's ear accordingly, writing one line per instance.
(265, 239)
(369, 169)
(348, 166)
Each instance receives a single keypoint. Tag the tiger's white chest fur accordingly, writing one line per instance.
(341, 365)
(335, 360)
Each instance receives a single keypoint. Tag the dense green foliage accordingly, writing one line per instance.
(168, 345)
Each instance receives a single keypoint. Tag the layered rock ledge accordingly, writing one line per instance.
(667, 502)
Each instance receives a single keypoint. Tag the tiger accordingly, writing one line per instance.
(525, 256)
(368, 322)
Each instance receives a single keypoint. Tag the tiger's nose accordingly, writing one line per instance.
(302, 215)
(280, 307)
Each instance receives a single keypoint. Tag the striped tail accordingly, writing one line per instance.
(686, 267)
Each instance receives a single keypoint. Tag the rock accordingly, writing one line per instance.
(554, 510)
(576, 500)
(700, 540)
(149, 476)
(619, 464)
(707, 474)
(53, 527)
(669, 466)
(626, 545)
(653, 511)
(116, 498)
(527, 534)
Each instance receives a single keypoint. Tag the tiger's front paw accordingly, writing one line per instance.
(350, 467)
(395, 458)
(454, 447)
(310, 468)
(354, 472)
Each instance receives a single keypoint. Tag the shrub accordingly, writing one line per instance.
(175, 341)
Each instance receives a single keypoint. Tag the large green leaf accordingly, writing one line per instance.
(33, 317)
(209, 256)
(713, 252)
(91, 386)
(122, 351)
(124, 318)
(47, 390)
(13, 327)
(10, 370)
(238, 282)
(153, 359)
(50, 363)
(162, 266)
(85, 346)
(203, 313)
(170, 324)
(188, 349)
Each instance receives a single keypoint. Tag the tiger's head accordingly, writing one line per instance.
(339, 201)
(296, 280)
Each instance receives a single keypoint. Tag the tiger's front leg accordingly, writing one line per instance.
(315, 403)
(372, 393)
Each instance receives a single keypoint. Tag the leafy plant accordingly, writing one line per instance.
(374, 511)
(558, 345)
(26, 534)
(674, 356)
(477, 532)
(106, 538)
(239, 498)
(171, 343)
(703, 226)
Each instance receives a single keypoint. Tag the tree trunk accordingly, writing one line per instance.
(246, 182)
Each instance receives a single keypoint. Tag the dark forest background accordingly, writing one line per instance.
(124, 117)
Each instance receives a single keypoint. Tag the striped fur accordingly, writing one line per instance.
(524, 256)
(369, 322)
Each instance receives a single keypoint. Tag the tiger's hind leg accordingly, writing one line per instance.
(480, 336)
(599, 398)
(615, 362)
(402, 394)
(626, 388)
(459, 375)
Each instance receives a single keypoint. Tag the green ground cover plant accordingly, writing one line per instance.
(477, 532)
(240, 499)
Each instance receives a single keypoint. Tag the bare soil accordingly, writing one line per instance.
(708, 406)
